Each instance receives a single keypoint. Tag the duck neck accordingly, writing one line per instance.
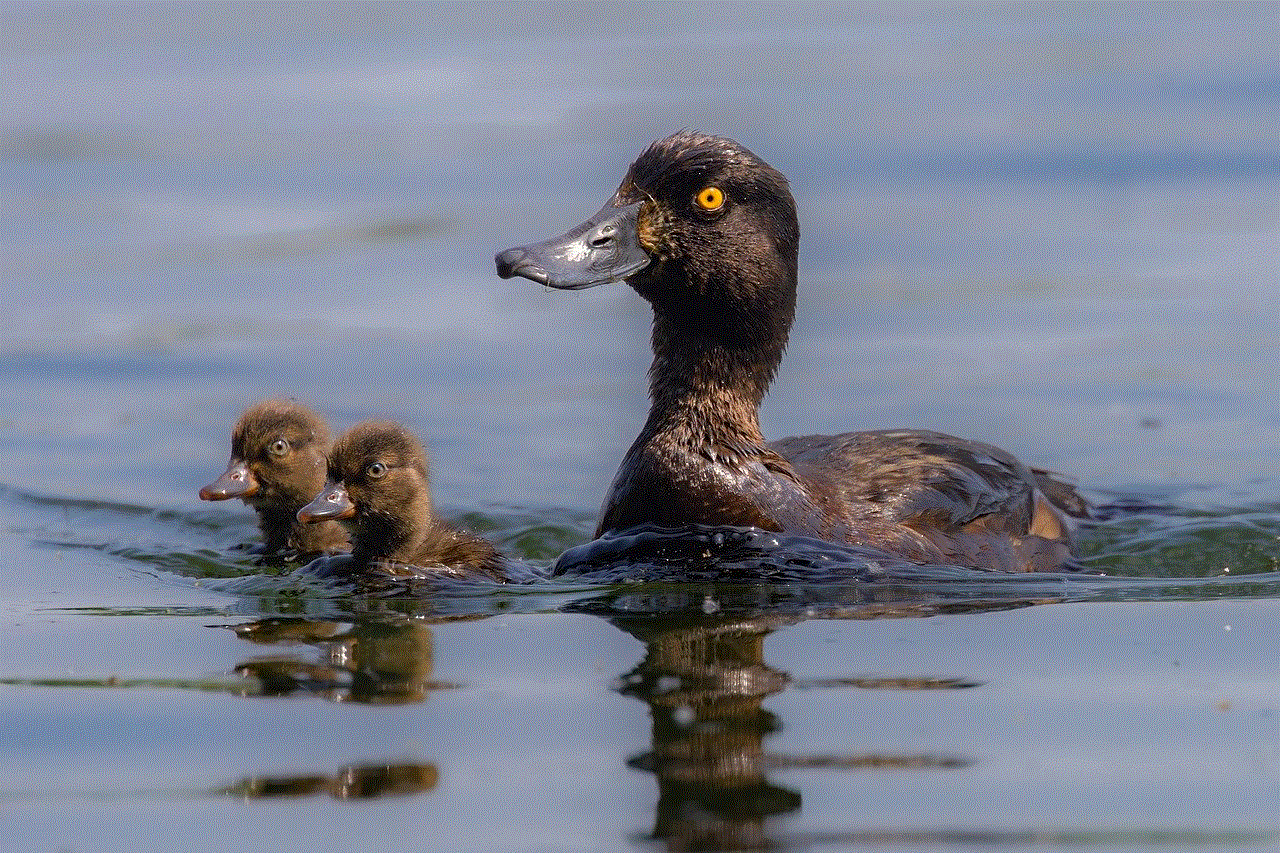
(281, 531)
(280, 528)
(318, 537)
(397, 536)
(708, 380)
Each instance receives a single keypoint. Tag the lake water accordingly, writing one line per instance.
(1053, 228)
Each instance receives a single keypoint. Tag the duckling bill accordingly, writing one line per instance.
(277, 464)
(707, 233)
(379, 484)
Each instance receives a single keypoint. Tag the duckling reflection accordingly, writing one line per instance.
(372, 662)
(353, 782)
(277, 465)
(378, 662)
(705, 684)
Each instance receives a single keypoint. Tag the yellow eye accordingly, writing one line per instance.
(710, 198)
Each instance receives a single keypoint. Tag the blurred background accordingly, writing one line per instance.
(1053, 227)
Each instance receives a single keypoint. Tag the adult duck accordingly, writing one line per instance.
(706, 231)
(277, 465)
(380, 484)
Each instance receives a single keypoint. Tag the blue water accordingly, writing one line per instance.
(1051, 227)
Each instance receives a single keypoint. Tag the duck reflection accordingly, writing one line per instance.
(704, 687)
(373, 662)
(705, 684)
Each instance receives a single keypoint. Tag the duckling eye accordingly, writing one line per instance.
(375, 471)
(709, 198)
(279, 447)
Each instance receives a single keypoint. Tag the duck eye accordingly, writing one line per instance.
(279, 447)
(709, 198)
(376, 470)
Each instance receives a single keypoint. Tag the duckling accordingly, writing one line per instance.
(379, 483)
(707, 233)
(277, 465)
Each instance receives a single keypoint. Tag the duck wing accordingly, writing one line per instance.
(901, 476)
(1062, 493)
(930, 496)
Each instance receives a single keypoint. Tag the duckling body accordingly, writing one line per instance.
(707, 233)
(380, 484)
(277, 465)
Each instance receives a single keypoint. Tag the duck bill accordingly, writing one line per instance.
(236, 482)
(605, 248)
(333, 502)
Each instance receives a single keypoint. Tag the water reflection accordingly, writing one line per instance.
(372, 662)
(355, 782)
(376, 662)
(705, 684)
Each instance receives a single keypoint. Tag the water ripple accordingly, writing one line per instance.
(1181, 548)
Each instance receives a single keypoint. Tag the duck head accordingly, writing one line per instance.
(277, 457)
(699, 226)
(705, 231)
(378, 479)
